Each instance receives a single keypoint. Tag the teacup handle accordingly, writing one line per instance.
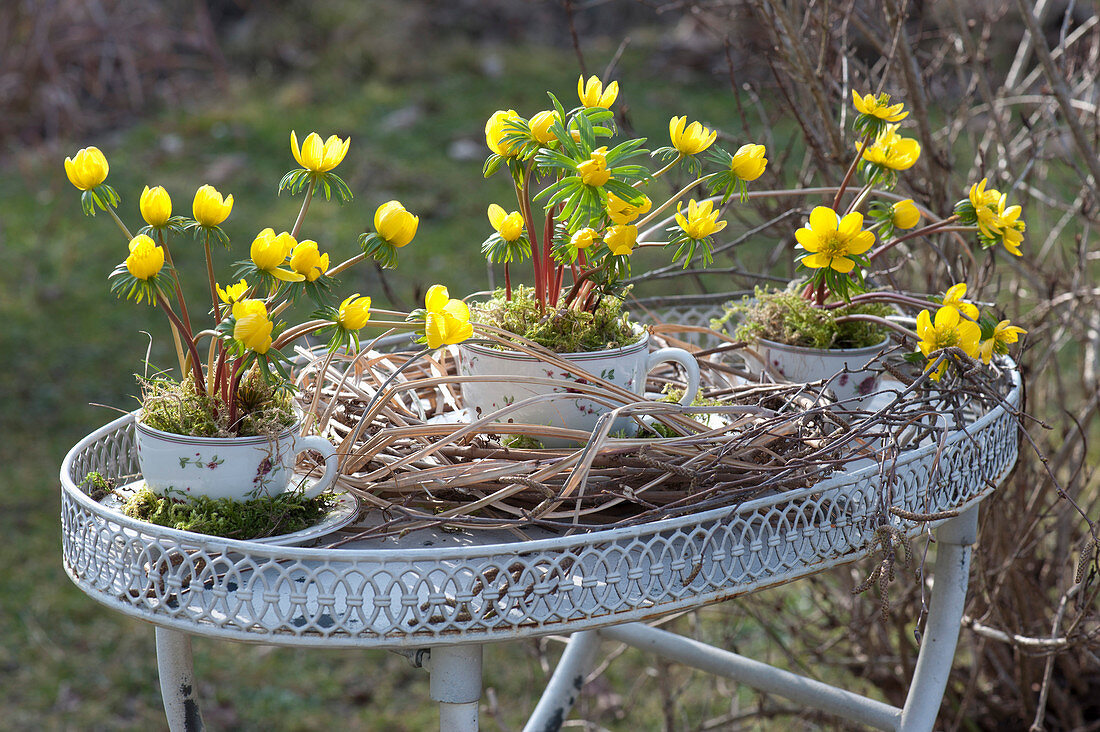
(332, 461)
(685, 359)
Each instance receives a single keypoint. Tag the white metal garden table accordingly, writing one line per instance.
(442, 596)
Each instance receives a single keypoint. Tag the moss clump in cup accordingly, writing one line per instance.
(173, 406)
(256, 518)
(563, 330)
(787, 317)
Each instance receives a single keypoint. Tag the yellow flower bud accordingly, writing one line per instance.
(621, 239)
(593, 94)
(444, 329)
(448, 319)
(905, 214)
(308, 261)
(354, 312)
(87, 169)
(317, 156)
(394, 224)
(690, 139)
(623, 212)
(155, 205)
(509, 226)
(209, 208)
(584, 238)
(436, 298)
(252, 327)
(594, 172)
(269, 253)
(146, 258)
(233, 293)
(495, 132)
(749, 162)
(540, 126)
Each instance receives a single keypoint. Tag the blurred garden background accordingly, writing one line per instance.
(180, 93)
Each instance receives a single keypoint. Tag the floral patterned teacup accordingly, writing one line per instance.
(239, 468)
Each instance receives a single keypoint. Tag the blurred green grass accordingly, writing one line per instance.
(67, 663)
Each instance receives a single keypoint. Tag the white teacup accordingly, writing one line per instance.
(239, 468)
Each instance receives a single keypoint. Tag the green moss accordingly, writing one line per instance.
(521, 442)
(284, 513)
(562, 330)
(786, 317)
(173, 406)
(97, 486)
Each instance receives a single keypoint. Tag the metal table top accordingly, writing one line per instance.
(434, 588)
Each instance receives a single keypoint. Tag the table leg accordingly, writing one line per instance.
(561, 693)
(176, 669)
(941, 633)
(455, 683)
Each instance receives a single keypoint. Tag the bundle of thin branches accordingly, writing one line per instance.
(407, 450)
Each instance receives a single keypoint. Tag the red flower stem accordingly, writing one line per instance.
(507, 283)
(238, 372)
(525, 210)
(851, 170)
(196, 362)
(553, 272)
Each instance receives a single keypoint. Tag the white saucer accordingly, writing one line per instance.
(339, 516)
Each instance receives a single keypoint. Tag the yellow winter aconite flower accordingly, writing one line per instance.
(621, 239)
(690, 139)
(832, 240)
(146, 258)
(508, 225)
(700, 220)
(891, 150)
(985, 206)
(306, 260)
(155, 205)
(252, 327)
(594, 172)
(948, 330)
(749, 162)
(269, 253)
(623, 212)
(496, 131)
(1009, 227)
(317, 156)
(87, 169)
(354, 312)
(209, 208)
(593, 94)
(905, 214)
(447, 320)
(584, 238)
(879, 107)
(233, 293)
(394, 224)
(953, 298)
(540, 125)
(1003, 334)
